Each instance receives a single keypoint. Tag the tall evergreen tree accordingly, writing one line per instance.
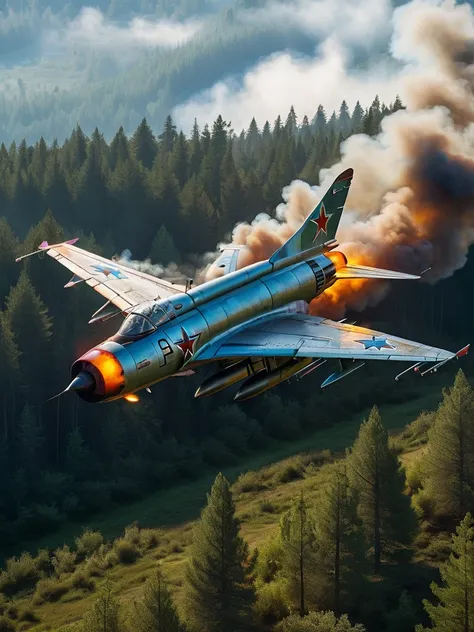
(9, 375)
(344, 120)
(375, 474)
(291, 122)
(218, 590)
(300, 557)
(155, 612)
(30, 441)
(455, 598)
(357, 118)
(231, 193)
(143, 144)
(168, 136)
(28, 319)
(195, 150)
(449, 459)
(319, 121)
(104, 616)
(341, 540)
(8, 252)
(163, 249)
(119, 150)
(179, 160)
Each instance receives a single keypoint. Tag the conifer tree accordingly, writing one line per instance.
(344, 120)
(28, 319)
(397, 105)
(300, 554)
(449, 460)
(455, 598)
(341, 540)
(163, 249)
(357, 118)
(9, 375)
(218, 590)
(143, 144)
(119, 150)
(155, 612)
(305, 134)
(104, 614)
(8, 252)
(231, 193)
(30, 443)
(252, 138)
(403, 617)
(319, 121)
(374, 472)
(291, 122)
(179, 160)
(168, 136)
(195, 150)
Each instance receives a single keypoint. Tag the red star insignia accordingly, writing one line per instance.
(321, 222)
(187, 344)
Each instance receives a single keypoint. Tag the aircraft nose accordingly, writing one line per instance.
(97, 375)
(82, 382)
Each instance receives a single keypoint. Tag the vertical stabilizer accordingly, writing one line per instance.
(320, 227)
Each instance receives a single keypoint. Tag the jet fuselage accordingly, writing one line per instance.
(159, 340)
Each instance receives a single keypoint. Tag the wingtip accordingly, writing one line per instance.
(464, 351)
(70, 242)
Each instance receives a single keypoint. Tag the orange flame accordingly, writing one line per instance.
(132, 398)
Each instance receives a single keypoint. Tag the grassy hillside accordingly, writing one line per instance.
(262, 494)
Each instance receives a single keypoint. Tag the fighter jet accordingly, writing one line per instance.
(251, 323)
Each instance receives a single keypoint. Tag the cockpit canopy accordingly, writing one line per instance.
(146, 317)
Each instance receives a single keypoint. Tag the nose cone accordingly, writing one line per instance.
(84, 381)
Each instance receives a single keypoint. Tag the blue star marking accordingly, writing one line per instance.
(381, 343)
(107, 270)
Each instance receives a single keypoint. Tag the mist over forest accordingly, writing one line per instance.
(110, 65)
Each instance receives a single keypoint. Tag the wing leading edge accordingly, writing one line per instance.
(303, 336)
(122, 286)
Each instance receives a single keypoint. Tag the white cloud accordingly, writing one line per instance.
(284, 79)
(91, 29)
(360, 23)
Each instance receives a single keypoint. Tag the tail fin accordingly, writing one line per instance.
(321, 226)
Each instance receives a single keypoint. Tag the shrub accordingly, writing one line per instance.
(6, 625)
(126, 551)
(96, 564)
(150, 538)
(21, 574)
(422, 504)
(291, 472)
(272, 603)
(64, 560)
(132, 534)
(28, 615)
(80, 580)
(43, 562)
(269, 559)
(88, 543)
(414, 475)
(249, 482)
(267, 507)
(50, 590)
(318, 622)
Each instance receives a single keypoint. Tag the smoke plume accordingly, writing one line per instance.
(411, 204)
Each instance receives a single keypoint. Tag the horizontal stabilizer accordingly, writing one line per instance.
(366, 272)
